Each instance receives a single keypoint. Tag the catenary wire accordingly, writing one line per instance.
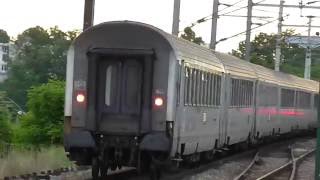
(235, 35)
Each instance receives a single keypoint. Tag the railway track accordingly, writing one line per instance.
(241, 165)
(261, 166)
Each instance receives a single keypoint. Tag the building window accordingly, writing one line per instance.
(5, 49)
(241, 93)
(4, 67)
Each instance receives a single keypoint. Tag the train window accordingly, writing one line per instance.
(209, 93)
(187, 89)
(108, 85)
(287, 98)
(235, 92)
(213, 91)
(268, 95)
(303, 100)
(201, 88)
(198, 88)
(132, 88)
(190, 87)
(218, 90)
(201, 94)
(204, 89)
(316, 100)
(194, 87)
(241, 92)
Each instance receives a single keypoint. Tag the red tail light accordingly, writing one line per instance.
(80, 97)
(158, 101)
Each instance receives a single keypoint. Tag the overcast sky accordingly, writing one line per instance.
(18, 15)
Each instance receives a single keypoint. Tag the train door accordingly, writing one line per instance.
(123, 97)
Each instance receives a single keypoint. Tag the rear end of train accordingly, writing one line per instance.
(120, 93)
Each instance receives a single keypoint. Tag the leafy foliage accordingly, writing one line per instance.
(43, 123)
(41, 55)
(263, 53)
(5, 129)
(190, 35)
(4, 38)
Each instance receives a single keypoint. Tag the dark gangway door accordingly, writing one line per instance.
(123, 93)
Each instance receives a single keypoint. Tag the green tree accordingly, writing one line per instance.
(4, 38)
(43, 123)
(190, 35)
(263, 53)
(41, 55)
(5, 117)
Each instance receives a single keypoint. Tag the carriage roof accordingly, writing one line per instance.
(200, 56)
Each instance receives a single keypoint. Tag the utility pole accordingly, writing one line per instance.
(215, 10)
(278, 40)
(307, 42)
(88, 14)
(307, 67)
(317, 164)
(176, 17)
(248, 32)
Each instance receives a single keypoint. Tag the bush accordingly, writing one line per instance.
(43, 123)
(5, 129)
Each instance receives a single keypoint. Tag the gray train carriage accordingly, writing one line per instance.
(123, 97)
(281, 103)
(240, 102)
(137, 96)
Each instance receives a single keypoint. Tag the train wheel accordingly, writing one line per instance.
(95, 168)
(104, 164)
(104, 170)
(208, 155)
(154, 172)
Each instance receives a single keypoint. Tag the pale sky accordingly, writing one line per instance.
(18, 15)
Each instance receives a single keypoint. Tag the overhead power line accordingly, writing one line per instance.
(235, 35)
(209, 17)
(229, 6)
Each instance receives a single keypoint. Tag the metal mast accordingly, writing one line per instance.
(248, 32)
(88, 14)
(215, 10)
(278, 40)
(176, 16)
(307, 67)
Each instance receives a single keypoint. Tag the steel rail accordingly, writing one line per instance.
(254, 160)
(294, 165)
(286, 165)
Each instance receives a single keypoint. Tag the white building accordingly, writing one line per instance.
(4, 57)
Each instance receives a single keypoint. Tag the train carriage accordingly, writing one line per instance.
(240, 106)
(137, 96)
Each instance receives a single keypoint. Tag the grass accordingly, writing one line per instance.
(18, 162)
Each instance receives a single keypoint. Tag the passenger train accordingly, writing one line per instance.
(138, 96)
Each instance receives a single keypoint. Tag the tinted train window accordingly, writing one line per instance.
(132, 87)
(303, 100)
(111, 84)
(287, 98)
(268, 95)
(108, 86)
(241, 92)
(201, 88)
